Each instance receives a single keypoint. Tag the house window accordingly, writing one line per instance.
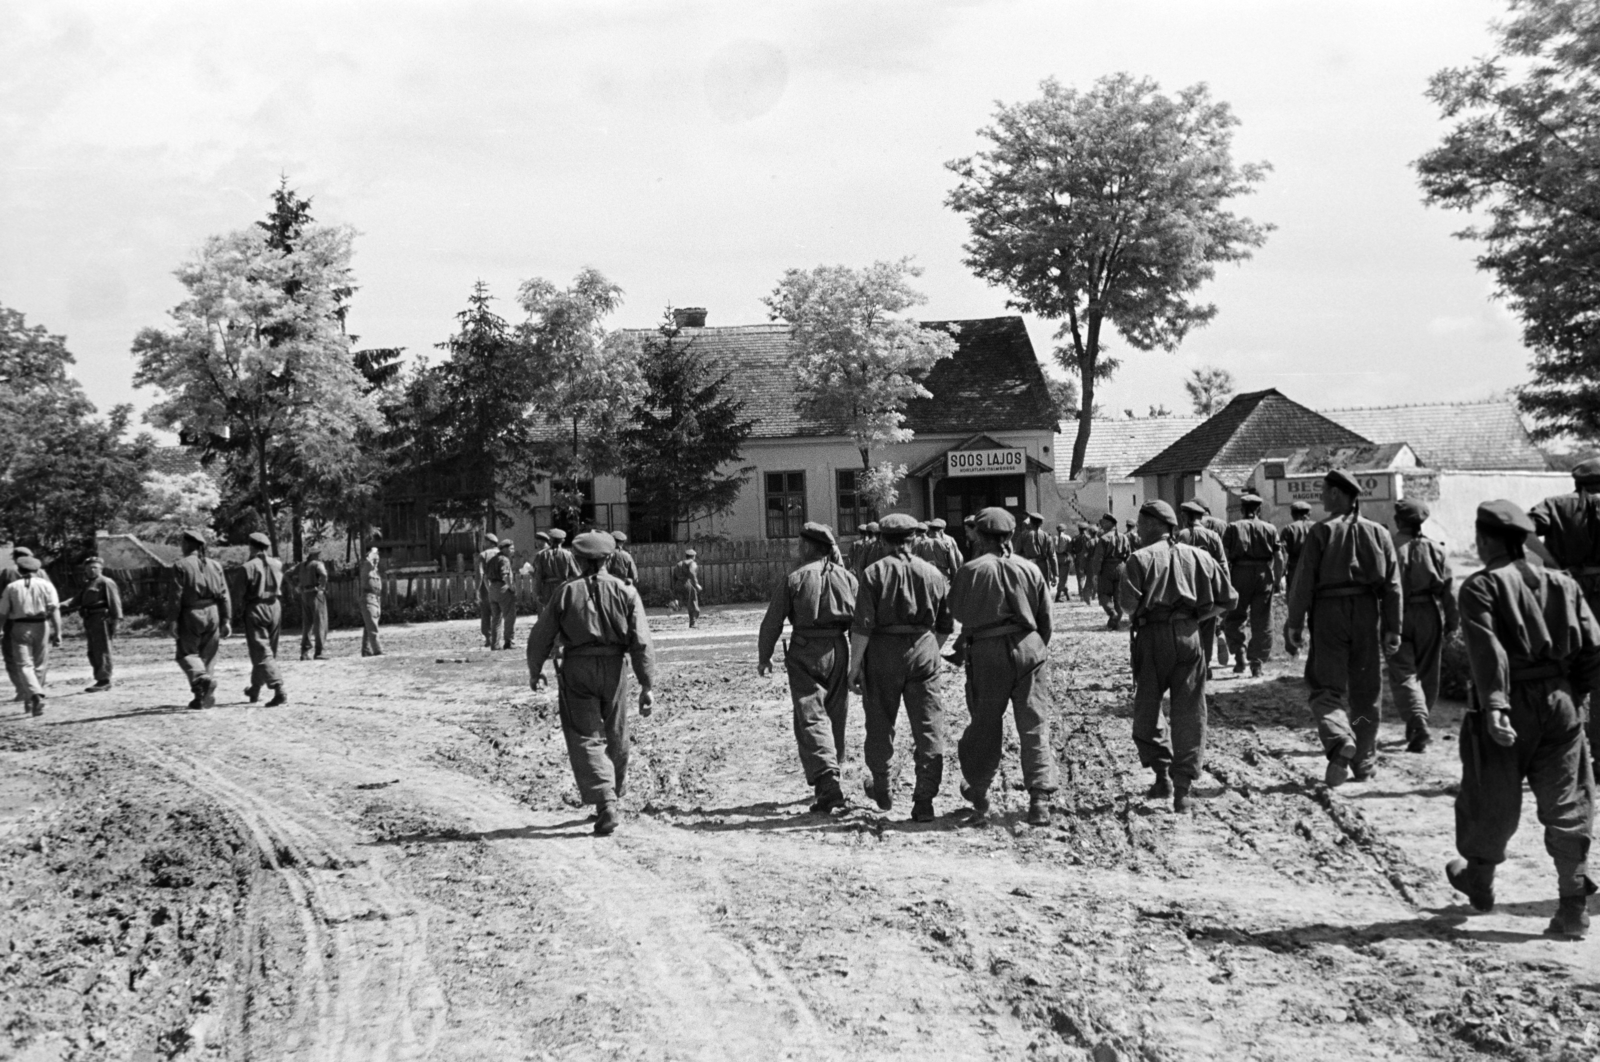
(786, 504)
(852, 513)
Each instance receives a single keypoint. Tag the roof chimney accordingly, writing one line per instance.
(689, 316)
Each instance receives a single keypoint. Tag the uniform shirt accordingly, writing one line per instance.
(1214, 523)
(100, 595)
(29, 599)
(1111, 548)
(1570, 527)
(485, 558)
(1170, 575)
(1250, 539)
(371, 579)
(1293, 540)
(686, 571)
(940, 551)
(594, 610)
(900, 590)
(1344, 551)
(1516, 615)
(1034, 544)
(1425, 572)
(198, 581)
(263, 580)
(556, 565)
(622, 566)
(995, 590)
(819, 594)
(501, 570)
(1082, 544)
(313, 577)
(1203, 538)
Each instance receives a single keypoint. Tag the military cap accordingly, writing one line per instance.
(542, 534)
(258, 538)
(1341, 479)
(1300, 508)
(821, 534)
(1036, 518)
(194, 536)
(1202, 503)
(1193, 508)
(970, 520)
(995, 521)
(897, 525)
(27, 564)
(1159, 510)
(937, 524)
(870, 527)
(94, 560)
(1587, 470)
(594, 545)
(922, 527)
(1109, 519)
(1501, 516)
(556, 535)
(491, 538)
(22, 551)
(1410, 511)
(690, 553)
(620, 536)
(1249, 497)
(1061, 527)
(506, 543)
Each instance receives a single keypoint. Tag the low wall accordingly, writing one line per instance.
(1455, 511)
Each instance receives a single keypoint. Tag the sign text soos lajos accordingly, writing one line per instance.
(985, 462)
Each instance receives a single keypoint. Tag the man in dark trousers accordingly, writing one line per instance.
(621, 563)
(371, 588)
(1062, 544)
(313, 604)
(1569, 525)
(818, 600)
(1219, 527)
(596, 619)
(99, 604)
(1111, 551)
(1194, 532)
(1082, 552)
(1003, 606)
(202, 613)
(263, 620)
(1168, 589)
(686, 581)
(863, 548)
(1252, 547)
(553, 566)
(1033, 544)
(1348, 587)
(1291, 541)
(1534, 648)
(939, 549)
(902, 619)
(491, 549)
(501, 577)
(1429, 617)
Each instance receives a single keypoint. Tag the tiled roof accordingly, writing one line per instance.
(1476, 436)
(1249, 428)
(175, 460)
(992, 383)
(1369, 458)
(1120, 446)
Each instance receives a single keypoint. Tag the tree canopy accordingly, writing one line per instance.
(1522, 154)
(1209, 389)
(1107, 205)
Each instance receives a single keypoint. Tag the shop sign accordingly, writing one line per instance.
(985, 462)
(1375, 486)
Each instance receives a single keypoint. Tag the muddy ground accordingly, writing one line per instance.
(395, 866)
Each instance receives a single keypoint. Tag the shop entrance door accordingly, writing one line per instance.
(957, 497)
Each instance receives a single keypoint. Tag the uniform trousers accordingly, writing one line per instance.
(199, 634)
(313, 620)
(819, 673)
(263, 622)
(502, 614)
(1003, 671)
(1414, 670)
(1106, 588)
(691, 600)
(904, 666)
(1253, 580)
(1168, 658)
(486, 614)
(593, 700)
(1550, 752)
(97, 627)
(30, 656)
(1208, 639)
(371, 610)
(12, 671)
(1064, 566)
(1344, 673)
(1085, 583)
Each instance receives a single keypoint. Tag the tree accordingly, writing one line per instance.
(173, 501)
(684, 433)
(1064, 398)
(1209, 389)
(1107, 206)
(258, 364)
(856, 361)
(1524, 152)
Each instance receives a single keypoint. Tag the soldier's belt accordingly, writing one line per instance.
(28, 619)
(1166, 615)
(595, 650)
(998, 632)
(1538, 672)
(820, 632)
(903, 628)
(1347, 591)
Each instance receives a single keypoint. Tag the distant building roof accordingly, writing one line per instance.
(1476, 436)
(175, 460)
(1120, 446)
(1371, 457)
(1251, 427)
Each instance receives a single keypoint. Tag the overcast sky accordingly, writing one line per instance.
(693, 151)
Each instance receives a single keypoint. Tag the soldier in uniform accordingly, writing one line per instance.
(621, 563)
(1082, 551)
(1252, 547)
(818, 600)
(1218, 527)
(202, 612)
(595, 619)
(263, 620)
(1348, 586)
(99, 603)
(313, 604)
(1291, 540)
(971, 546)
(902, 619)
(1168, 589)
(1003, 606)
(1064, 565)
(1033, 544)
(553, 566)
(1534, 648)
(7, 577)
(485, 604)
(501, 577)
(940, 550)
(1429, 611)
(1195, 533)
(1569, 525)
(1111, 551)
(686, 580)
(866, 539)
(371, 597)
(28, 605)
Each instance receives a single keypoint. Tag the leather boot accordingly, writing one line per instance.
(1417, 736)
(1572, 918)
(1474, 880)
(978, 798)
(278, 697)
(606, 820)
(1338, 772)
(1038, 808)
(1182, 802)
(1161, 788)
(251, 694)
(829, 795)
(877, 790)
(1255, 669)
(922, 809)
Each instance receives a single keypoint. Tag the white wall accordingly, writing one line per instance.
(1460, 493)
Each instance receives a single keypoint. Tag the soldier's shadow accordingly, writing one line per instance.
(558, 831)
(162, 709)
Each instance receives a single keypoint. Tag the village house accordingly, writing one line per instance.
(1116, 447)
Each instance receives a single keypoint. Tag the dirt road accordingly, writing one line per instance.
(395, 866)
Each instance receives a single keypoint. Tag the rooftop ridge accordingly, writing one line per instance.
(1422, 405)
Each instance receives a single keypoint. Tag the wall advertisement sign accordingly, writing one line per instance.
(1376, 486)
(985, 462)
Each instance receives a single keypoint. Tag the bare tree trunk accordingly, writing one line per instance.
(299, 535)
(266, 495)
(1088, 358)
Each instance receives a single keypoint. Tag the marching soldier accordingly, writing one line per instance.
(972, 547)
(1064, 566)
(1111, 551)
(1033, 544)
(501, 578)
(1569, 524)
(490, 550)
(202, 613)
(1218, 527)
(1168, 588)
(1003, 606)
(263, 620)
(1195, 533)
(1291, 541)
(940, 550)
(621, 563)
(1348, 586)
(371, 597)
(1252, 547)
(313, 604)
(1534, 648)
(553, 566)
(28, 605)
(99, 604)
(1429, 611)
(686, 579)
(818, 599)
(595, 619)
(1082, 551)
(902, 619)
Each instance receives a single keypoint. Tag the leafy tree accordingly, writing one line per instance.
(1523, 154)
(1209, 389)
(1107, 206)
(1064, 398)
(684, 433)
(856, 361)
(172, 501)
